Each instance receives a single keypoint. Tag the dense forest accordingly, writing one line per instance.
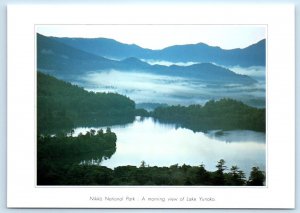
(224, 114)
(61, 161)
(57, 153)
(132, 175)
(61, 106)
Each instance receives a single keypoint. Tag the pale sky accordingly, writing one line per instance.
(161, 36)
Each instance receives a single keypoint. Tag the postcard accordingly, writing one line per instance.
(151, 106)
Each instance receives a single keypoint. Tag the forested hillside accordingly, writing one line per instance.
(62, 106)
(225, 114)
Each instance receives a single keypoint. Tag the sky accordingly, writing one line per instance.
(161, 36)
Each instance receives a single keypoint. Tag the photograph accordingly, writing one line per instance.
(151, 105)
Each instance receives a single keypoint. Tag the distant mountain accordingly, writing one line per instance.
(57, 57)
(106, 47)
(253, 55)
(61, 60)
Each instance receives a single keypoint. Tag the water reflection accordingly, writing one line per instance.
(165, 144)
(236, 136)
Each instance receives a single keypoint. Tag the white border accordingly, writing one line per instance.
(21, 190)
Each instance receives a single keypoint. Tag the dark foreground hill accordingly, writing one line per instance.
(61, 106)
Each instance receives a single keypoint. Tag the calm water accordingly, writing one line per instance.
(163, 145)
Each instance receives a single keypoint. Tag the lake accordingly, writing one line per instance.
(161, 144)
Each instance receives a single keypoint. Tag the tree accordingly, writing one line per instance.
(72, 132)
(221, 165)
(143, 164)
(108, 130)
(236, 177)
(219, 178)
(93, 132)
(202, 176)
(257, 177)
(100, 132)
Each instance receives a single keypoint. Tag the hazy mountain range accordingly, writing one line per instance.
(65, 57)
(253, 55)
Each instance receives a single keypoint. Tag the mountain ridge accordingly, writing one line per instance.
(252, 55)
(65, 60)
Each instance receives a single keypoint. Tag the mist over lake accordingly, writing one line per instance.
(151, 88)
(256, 72)
(168, 63)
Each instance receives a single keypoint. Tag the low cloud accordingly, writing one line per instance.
(151, 88)
(168, 63)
